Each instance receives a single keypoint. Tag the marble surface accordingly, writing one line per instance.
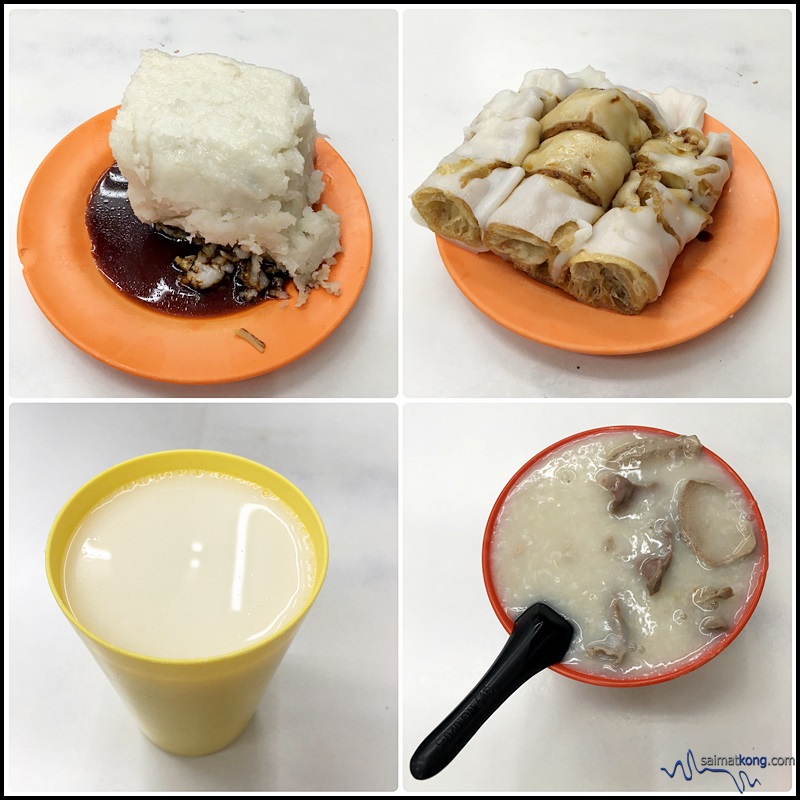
(65, 66)
(328, 720)
(331, 723)
(555, 734)
(740, 60)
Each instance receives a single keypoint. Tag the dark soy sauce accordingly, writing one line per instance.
(138, 260)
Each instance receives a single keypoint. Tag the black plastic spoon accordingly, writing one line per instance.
(540, 638)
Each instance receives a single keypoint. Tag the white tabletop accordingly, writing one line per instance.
(65, 66)
(740, 61)
(556, 734)
(328, 720)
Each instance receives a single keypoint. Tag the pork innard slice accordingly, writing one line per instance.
(655, 555)
(713, 624)
(640, 451)
(614, 646)
(622, 490)
(717, 531)
(708, 597)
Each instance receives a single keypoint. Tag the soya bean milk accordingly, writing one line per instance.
(188, 564)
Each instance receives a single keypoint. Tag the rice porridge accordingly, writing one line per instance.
(644, 541)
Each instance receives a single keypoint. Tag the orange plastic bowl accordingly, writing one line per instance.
(714, 648)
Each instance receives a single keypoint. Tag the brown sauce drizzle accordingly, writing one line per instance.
(138, 260)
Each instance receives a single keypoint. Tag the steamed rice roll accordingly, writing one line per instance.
(458, 198)
(537, 222)
(505, 140)
(680, 110)
(625, 263)
(591, 78)
(598, 144)
(674, 208)
(648, 111)
(527, 103)
(704, 175)
(556, 83)
(607, 112)
(595, 167)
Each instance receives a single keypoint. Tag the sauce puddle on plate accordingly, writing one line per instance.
(138, 260)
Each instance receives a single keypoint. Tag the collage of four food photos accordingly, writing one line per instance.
(399, 399)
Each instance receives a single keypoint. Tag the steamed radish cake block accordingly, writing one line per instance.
(224, 151)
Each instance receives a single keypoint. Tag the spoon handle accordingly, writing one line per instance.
(540, 638)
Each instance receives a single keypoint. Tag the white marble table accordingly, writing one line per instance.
(332, 725)
(555, 734)
(454, 63)
(65, 66)
(328, 720)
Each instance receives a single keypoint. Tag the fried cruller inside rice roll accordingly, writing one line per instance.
(538, 221)
(457, 198)
(664, 204)
(613, 184)
(625, 262)
(607, 112)
(592, 165)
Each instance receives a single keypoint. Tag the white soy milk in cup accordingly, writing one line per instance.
(188, 564)
(187, 574)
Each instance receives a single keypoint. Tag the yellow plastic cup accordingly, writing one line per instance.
(186, 706)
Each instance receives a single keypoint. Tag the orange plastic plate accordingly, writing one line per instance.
(708, 282)
(94, 315)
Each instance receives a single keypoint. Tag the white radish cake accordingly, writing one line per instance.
(224, 151)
